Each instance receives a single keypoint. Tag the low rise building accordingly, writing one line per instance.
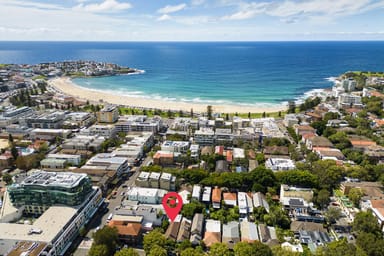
(49, 120)
(230, 199)
(119, 164)
(107, 131)
(168, 181)
(196, 192)
(204, 137)
(175, 146)
(146, 195)
(154, 180)
(207, 195)
(231, 234)
(142, 180)
(279, 164)
(49, 134)
(73, 160)
(109, 114)
(216, 198)
(184, 230)
(197, 229)
(163, 158)
(83, 142)
(248, 232)
(129, 232)
(212, 233)
(139, 123)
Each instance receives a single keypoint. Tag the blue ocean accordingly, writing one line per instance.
(245, 73)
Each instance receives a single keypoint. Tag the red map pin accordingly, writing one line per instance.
(172, 203)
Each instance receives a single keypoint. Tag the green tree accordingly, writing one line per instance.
(322, 198)
(219, 249)
(14, 152)
(127, 252)
(106, 236)
(157, 250)
(99, 250)
(189, 210)
(192, 252)
(209, 112)
(7, 178)
(255, 249)
(339, 248)
(279, 251)
(153, 238)
(355, 195)
(10, 139)
(365, 222)
(333, 214)
(371, 243)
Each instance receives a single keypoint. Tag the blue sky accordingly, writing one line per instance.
(191, 20)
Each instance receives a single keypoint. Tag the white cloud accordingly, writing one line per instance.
(197, 2)
(172, 8)
(106, 6)
(164, 17)
(293, 9)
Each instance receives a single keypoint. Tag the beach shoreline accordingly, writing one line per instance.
(66, 86)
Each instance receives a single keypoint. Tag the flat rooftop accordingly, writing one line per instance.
(27, 248)
(62, 179)
(45, 228)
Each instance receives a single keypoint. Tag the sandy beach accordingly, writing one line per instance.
(66, 86)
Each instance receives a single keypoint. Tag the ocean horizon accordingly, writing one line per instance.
(234, 73)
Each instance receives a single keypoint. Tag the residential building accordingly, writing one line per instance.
(223, 136)
(377, 207)
(290, 120)
(231, 234)
(168, 181)
(58, 227)
(185, 195)
(204, 137)
(238, 153)
(279, 164)
(163, 158)
(242, 203)
(62, 212)
(154, 180)
(195, 151)
(118, 164)
(49, 134)
(143, 180)
(83, 142)
(138, 123)
(37, 192)
(184, 231)
(230, 199)
(146, 195)
(109, 114)
(175, 146)
(151, 215)
(73, 160)
(259, 200)
(248, 232)
(196, 192)
(197, 229)
(173, 228)
(129, 232)
(49, 120)
(216, 198)
(107, 131)
(346, 100)
(81, 119)
(207, 195)
(212, 232)
(50, 164)
(318, 142)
